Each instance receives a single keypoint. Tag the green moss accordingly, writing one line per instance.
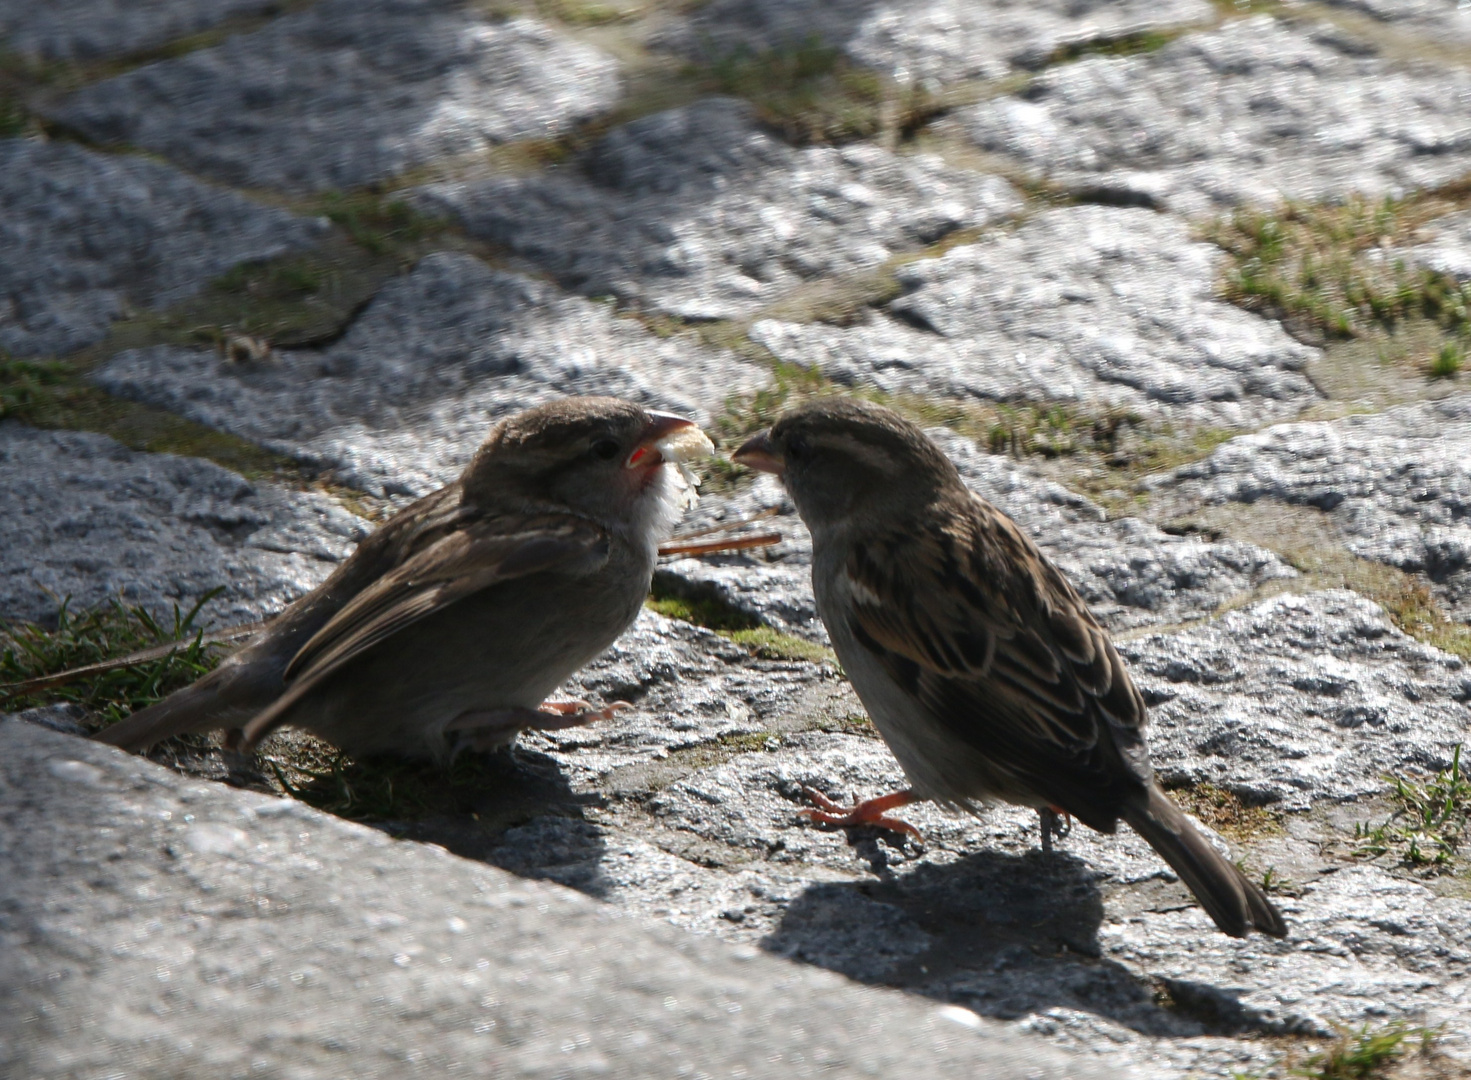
(25, 383)
(1224, 811)
(673, 602)
(1124, 45)
(812, 94)
(76, 639)
(771, 644)
(377, 223)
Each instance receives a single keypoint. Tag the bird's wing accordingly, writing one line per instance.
(471, 554)
(483, 553)
(971, 618)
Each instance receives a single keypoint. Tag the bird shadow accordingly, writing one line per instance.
(1004, 935)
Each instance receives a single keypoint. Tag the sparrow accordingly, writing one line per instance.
(450, 624)
(979, 663)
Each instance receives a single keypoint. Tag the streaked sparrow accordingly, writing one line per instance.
(450, 624)
(982, 668)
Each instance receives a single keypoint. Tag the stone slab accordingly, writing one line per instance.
(699, 213)
(1443, 245)
(87, 30)
(154, 925)
(87, 236)
(1439, 20)
(1396, 485)
(89, 519)
(1253, 113)
(348, 92)
(1304, 701)
(400, 402)
(1104, 307)
(930, 44)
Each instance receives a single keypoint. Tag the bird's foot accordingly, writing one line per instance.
(491, 729)
(576, 713)
(1051, 827)
(869, 812)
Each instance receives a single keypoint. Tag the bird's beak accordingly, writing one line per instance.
(661, 425)
(758, 453)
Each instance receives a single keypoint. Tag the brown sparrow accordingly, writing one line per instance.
(449, 625)
(982, 668)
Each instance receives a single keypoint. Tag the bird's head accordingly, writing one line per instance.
(607, 460)
(843, 460)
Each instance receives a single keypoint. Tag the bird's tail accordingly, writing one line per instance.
(1235, 904)
(227, 697)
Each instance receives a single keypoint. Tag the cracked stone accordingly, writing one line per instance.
(89, 235)
(1112, 307)
(1439, 19)
(930, 44)
(1130, 573)
(348, 92)
(1396, 485)
(401, 401)
(1255, 112)
(699, 213)
(90, 520)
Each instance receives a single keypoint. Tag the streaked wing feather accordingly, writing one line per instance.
(457, 564)
(974, 621)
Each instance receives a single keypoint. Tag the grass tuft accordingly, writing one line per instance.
(28, 651)
(1448, 360)
(1428, 822)
(1365, 1054)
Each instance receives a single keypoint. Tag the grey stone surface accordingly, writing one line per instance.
(1396, 485)
(348, 92)
(1107, 306)
(89, 519)
(1443, 245)
(699, 213)
(94, 29)
(88, 235)
(401, 401)
(930, 43)
(1254, 112)
(1302, 701)
(1130, 573)
(1441, 20)
(153, 925)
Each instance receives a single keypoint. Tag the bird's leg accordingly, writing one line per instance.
(1050, 825)
(490, 729)
(869, 812)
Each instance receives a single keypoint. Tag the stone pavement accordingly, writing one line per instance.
(476, 207)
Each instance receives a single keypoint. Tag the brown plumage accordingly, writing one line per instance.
(448, 626)
(978, 661)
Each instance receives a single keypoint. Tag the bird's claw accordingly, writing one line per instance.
(870, 812)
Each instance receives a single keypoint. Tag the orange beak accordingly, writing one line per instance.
(758, 453)
(660, 424)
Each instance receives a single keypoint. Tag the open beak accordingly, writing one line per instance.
(660, 426)
(758, 453)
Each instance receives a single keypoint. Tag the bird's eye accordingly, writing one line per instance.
(797, 448)
(607, 449)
